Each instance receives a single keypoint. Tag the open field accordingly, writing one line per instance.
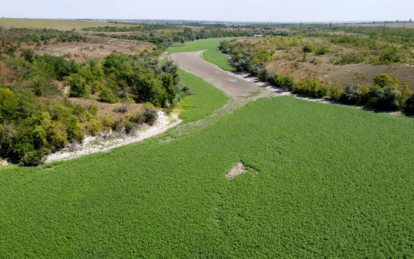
(320, 191)
(53, 24)
(211, 54)
(388, 25)
(95, 48)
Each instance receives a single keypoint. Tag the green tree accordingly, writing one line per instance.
(78, 86)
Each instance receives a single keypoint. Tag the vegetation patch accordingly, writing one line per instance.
(328, 187)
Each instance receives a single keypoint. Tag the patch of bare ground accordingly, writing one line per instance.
(96, 47)
(236, 171)
(330, 74)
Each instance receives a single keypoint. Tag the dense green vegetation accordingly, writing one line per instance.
(212, 54)
(205, 100)
(37, 118)
(332, 181)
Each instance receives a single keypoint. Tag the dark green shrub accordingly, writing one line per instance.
(309, 48)
(390, 58)
(28, 55)
(33, 158)
(410, 105)
(322, 51)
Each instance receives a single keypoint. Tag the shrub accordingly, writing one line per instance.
(351, 94)
(128, 127)
(78, 86)
(108, 96)
(335, 93)
(138, 118)
(389, 98)
(322, 51)
(386, 80)
(410, 105)
(309, 48)
(390, 57)
(38, 86)
(28, 55)
(150, 115)
(33, 158)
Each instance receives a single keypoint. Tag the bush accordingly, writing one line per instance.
(322, 51)
(410, 105)
(285, 82)
(309, 48)
(108, 96)
(28, 55)
(351, 94)
(335, 93)
(390, 58)
(386, 80)
(38, 86)
(128, 127)
(33, 158)
(78, 86)
(138, 118)
(389, 98)
(150, 115)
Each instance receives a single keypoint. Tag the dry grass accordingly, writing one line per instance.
(290, 61)
(95, 48)
(53, 24)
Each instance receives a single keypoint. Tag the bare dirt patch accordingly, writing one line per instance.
(229, 83)
(237, 170)
(94, 48)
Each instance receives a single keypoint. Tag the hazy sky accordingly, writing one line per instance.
(226, 10)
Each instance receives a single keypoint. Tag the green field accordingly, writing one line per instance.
(211, 55)
(332, 182)
(205, 100)
(53, 24)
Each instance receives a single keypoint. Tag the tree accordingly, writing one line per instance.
(168, 83)
(107, 96)
(78, 86)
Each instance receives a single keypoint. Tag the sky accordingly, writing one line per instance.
(213, 10)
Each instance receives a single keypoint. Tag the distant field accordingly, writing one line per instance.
(212, 54)
(391, 25)
(53, 24)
